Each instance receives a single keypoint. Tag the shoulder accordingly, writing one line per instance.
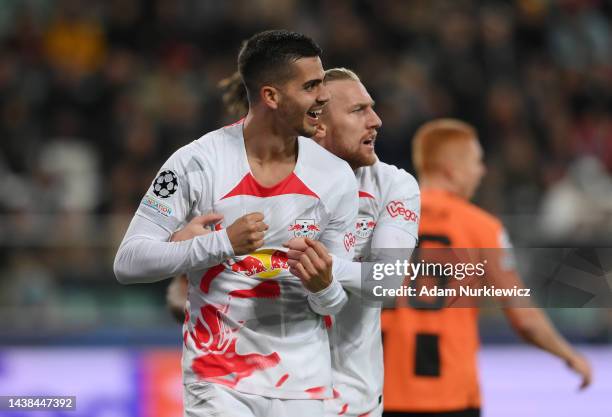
(317, 155)
(484, 220)
(212, 150)
(324, 164)
(393, 181)
(224, 137)
(396, 175)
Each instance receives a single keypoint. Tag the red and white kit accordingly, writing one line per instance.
(248, 326)
(389, 207)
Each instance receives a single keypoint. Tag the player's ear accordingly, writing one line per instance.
(450, 172)
(269, 96)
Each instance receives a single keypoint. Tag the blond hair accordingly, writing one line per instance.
(340, 74)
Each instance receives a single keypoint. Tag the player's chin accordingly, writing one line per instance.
(362, 160)
(368, 158)
(308, 130)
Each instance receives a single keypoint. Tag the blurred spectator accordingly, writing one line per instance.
(579, 207)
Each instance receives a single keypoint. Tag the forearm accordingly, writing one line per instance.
(351, 274)
(145, 255)
(328, 301)
(536, 329)
(347, 273)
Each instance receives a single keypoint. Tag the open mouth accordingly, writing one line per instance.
(370, 140)
(314, 113)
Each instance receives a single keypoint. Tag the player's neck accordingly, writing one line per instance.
(264, 141)
(439, 183)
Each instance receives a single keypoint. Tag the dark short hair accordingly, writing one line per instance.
(265, 57)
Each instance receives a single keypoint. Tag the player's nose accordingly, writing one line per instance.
(374, 120)
(324, 95)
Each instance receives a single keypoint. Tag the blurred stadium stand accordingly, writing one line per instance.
(95, 95)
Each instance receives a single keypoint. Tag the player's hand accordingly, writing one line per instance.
(246, 234)
(581, 366)
(310, 262)
(196, 227)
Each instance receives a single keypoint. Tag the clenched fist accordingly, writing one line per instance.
(309, 261)
(246, 234)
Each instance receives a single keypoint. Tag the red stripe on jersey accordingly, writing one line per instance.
(316, 393)
(343, 411)
(290, 185)
(208, 277)
(282, 380)
(267, 289)
(365, 195)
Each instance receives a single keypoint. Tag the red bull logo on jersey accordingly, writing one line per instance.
(364, 227)
(220, 362)
(305, 228)
(265, 263)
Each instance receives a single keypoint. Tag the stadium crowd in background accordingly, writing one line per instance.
(94, 96)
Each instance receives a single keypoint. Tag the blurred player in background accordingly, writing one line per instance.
(348, 128)
(431, 354)
(252, 346)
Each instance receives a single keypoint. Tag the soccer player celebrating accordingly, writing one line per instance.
(252, 346)
(430, 354)
(386, 229)
(388, 218)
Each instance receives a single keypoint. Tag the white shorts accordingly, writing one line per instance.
(205, 399)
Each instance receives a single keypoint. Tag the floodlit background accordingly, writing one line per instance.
(95, 95)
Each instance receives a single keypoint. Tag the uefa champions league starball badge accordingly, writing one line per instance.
(165, 184)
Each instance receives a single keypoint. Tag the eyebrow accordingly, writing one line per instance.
(312, 83)
(363, 105)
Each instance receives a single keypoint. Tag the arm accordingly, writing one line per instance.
(527, 320)
(394, 237)
(145, 255)
(349, 273)
(176, 294)
(532, 325)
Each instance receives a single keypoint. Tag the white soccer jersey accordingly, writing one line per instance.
(389, 207)
(249, 326)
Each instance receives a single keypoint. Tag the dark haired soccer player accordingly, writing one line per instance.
(431, 354)
(252, 346)
(388, 218)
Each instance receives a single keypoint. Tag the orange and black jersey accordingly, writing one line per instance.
(430, 355)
